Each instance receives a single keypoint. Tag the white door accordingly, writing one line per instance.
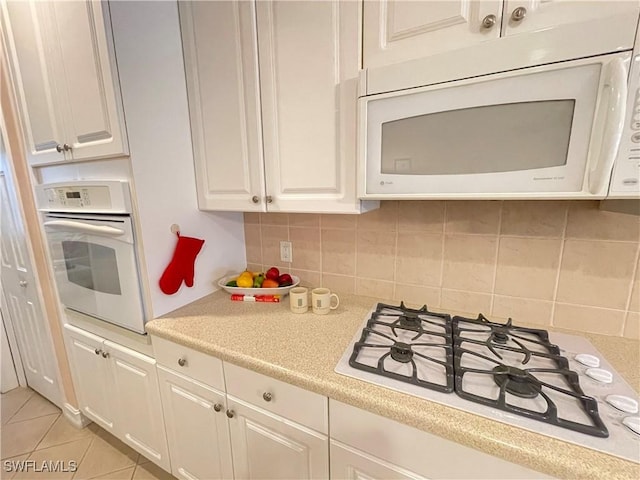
(92, 104)
(309, 57)
(221, 62)
(524, 16)
(197, 428)
(27, 31)
(136, 397)
(266, 446)
(22, 308)
(350, 464)
(400, 30)
(91, 376)
(8, 375)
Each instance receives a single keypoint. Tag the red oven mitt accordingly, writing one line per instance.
(181, 266)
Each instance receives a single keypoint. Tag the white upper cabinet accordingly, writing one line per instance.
(220, 49)
(272, 95)
(309, 75)
(396, 31)
(65, 80)
(400, 30)
(523, 16)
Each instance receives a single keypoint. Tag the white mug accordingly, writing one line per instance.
(321, 301)
(299, 299)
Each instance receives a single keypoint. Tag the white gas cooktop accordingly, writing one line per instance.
(523, 377)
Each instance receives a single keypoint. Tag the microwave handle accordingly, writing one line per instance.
(84, 227)
(616, 84)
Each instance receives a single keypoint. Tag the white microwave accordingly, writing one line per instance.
(549, 131)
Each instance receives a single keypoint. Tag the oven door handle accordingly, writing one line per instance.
(84, 227)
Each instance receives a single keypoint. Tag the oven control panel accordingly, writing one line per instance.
(78, 198)
(84, 196)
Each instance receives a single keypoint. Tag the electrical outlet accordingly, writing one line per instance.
(286, 252)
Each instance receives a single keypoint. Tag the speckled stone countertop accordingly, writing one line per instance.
(304, 349)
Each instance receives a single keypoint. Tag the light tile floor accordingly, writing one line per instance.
(35, 429)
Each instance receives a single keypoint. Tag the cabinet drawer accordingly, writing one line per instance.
(293, 403)
(189, 362)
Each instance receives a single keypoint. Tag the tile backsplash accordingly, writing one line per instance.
(559, 263)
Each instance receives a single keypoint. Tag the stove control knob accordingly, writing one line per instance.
(588, 360)
(632, 423)
(600, 375)
(625, 404)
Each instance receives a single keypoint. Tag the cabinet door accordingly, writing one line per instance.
(137, 396)
(221, 62)
(91, 377)
(266, 446)
(91, 104)
(350, 464)
(556, 14)
(27, 30)
(400, 30)
(197, 428)
(309, 57)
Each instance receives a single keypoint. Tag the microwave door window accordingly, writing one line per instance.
(488, 139)
(91, 266)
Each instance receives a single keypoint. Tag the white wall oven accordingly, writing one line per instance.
(550, 131)
(91, 241)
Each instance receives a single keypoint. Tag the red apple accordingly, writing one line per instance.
(272, 274)
(285, 280)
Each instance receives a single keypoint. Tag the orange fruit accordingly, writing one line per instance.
(269, 283)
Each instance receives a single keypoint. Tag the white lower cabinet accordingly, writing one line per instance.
(197, 429)
(350, 464)
(224, 421)
(367, 446)
(230, 422)
(138, 405)
(118, 389)
(267, 446)
(91, 377)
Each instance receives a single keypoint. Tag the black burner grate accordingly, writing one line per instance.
(524, 383)
(415, 323)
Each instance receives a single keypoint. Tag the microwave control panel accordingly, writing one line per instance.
(84, 196)
(625, 181)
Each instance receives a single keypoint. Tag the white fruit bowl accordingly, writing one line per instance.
(222, 283)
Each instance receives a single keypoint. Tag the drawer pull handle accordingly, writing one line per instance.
(231, 413)
(182, 361)
(105, 354)
(217, 407)
(267, 396)
(97, 351)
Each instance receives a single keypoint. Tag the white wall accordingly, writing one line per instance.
(151, 70)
